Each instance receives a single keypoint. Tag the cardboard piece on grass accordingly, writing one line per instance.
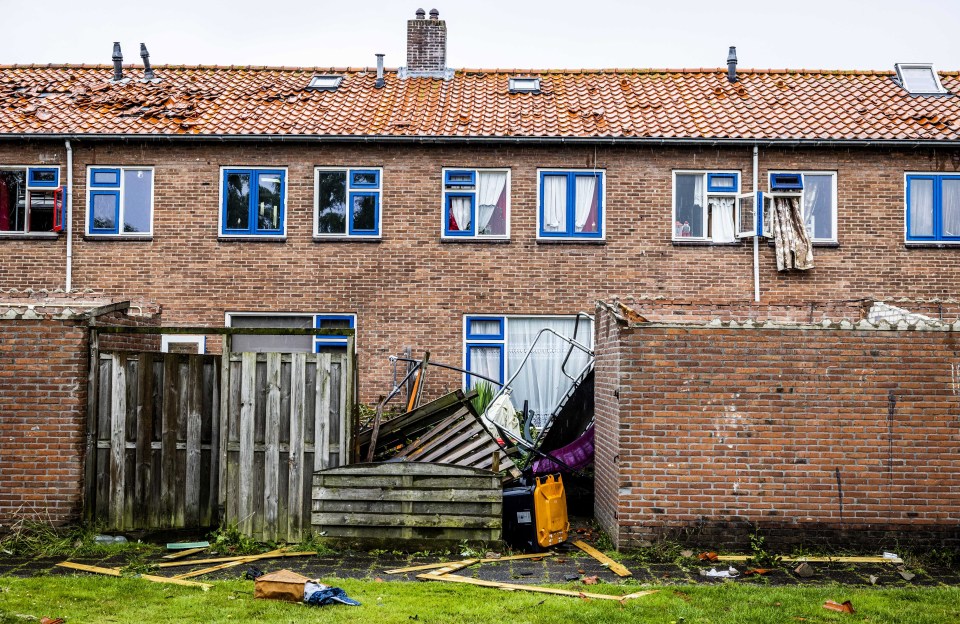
(842, 607)
(283, 585)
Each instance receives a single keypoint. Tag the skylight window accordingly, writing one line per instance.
(325, 83)
(524, 85)
(919, 78)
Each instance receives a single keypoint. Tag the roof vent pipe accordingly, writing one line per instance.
(434, 14)
(147, 71)
(117, 62)
(380, 82)
(732, 64)
(421, 14)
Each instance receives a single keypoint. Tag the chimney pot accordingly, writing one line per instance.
(732, 64)
(147, 70)
(380, 82)
(434, 14)
(117, 62)
(421, 14)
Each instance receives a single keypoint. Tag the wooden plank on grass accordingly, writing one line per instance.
(825, 559)
(442, 564)
(271, 463)
(453, 578)
(184, 553)
(146, 577)
(277, 554)
(228, 564)
(613, 566)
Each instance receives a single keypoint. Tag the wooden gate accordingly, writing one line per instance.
(183, 441)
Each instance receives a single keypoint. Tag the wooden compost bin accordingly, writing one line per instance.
(407, 501)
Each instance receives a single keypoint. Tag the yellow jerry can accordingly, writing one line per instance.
(550, 510)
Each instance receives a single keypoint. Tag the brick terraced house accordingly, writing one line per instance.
(741, 379)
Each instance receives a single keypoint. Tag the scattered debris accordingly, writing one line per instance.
(686, 553)
(844, 607)
(274, 554)
(229, 564)
(824, 559)
(46, 620)
(253, 573)
(571, 577)
(320, 595)
(874, 579)
(708, 556)
(281, 585)
(757, 571)
(146, 577)
(188, 546)
(804, 570)
(907, 575)
(443, 564)
(184, 553)
(452, 578)
(613, 566)
(590, 580)
(891, 556)
(730, 572)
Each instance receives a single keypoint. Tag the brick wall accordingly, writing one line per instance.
(725, 429)
(43, 390)
(426, 45)
(411, 289)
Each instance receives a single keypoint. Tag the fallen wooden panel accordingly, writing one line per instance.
(819, 559)
(270, 555)
(146, 577)
(613, 566)
(407, 500)
(183, 553)
(229, 564)
(433, 566)
(453, 578)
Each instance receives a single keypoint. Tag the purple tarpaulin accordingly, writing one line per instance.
(578, 454)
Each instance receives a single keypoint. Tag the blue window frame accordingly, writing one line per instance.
(571, 204)
(933, 208)
(333, 321)
(474, 357)
(484, 347)
(43, 177)
(722, 183)
(347, 202)
(485, 328)
(476, 204)
(253, 202)
(120, 201)
(786, 182)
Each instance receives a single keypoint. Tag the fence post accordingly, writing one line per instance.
(90, 458)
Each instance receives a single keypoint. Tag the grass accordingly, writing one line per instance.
(33, 538)
(85, 598)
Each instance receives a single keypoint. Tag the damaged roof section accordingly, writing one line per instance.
(604, 104)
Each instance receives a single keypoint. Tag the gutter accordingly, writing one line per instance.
(379, 138)
(68, 198)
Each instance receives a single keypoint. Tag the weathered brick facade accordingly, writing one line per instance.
(412, 289)
(709, 431)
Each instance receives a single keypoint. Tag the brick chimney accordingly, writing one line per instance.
(426, 47)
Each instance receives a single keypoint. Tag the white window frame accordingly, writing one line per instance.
(228, 322)
(198, 340)
(936, 78)
(735, 194)
(366, 189)
(29, 190)
(602, 208)
(503, 343)
(284, 204)
(121, 208)
(803, 197)
(443, 203)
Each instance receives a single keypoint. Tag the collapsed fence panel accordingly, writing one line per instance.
(156, 444)
(287, 416)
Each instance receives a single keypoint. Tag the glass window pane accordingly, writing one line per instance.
(818, 205)
(44, 176)
(554, 203)
(332, 202)
(587, 202)
(333, 323)
(921, 207)
(238, 201)
(688, 220)
(105, 211)
(268, 212)
(485, 361)
(12, 201)
(272, 343)
(364, 212)
(137, 188)
(459, 213)
(951, 207)
(365, 178)
(919, 80)
(492, 204)
(107, 176)
(41, 211)
(484, 327)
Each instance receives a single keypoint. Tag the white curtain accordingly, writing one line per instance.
(921, 207)
(460, 207)
(554, 203)
(586, 194)
(485, 361)
(793, 246)
(491, 187)
(480, 327)
(951, 207)
(721, 219)
(541, 381)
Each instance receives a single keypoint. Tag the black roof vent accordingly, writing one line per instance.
(732, 64)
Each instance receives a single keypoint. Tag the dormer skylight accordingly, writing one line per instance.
(919, 79)
(524, 85)
(325, 83)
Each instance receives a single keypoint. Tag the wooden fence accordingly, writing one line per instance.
(185, 441)
(284, 418)
(155, 456)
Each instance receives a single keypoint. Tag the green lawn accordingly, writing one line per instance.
(91, 599)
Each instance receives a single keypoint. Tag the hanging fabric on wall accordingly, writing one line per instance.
(794, 249)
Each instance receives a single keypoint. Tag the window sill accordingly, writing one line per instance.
(110, 237)
(251, 239)
(29, 236)
(472, 240)
(571, 241)
(816, 244)
(346, 239)
(931, 244)
(705, 243)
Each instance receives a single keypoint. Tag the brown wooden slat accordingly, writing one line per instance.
(118, 418)
(298, 374)
(168, 441)
(271, 464)
(244, 490)
(192, 484)
(144, 451)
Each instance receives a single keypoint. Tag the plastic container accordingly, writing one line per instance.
(519, 530)
(550, 510)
